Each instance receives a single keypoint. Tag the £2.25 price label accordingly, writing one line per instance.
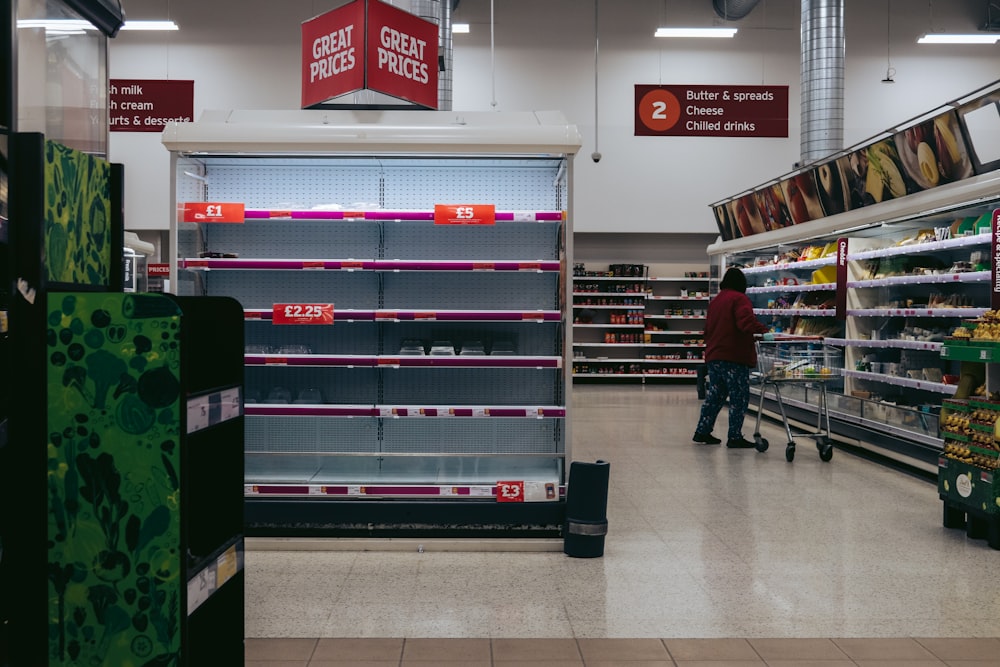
(302, 313)
(464, 214)
(510, 492)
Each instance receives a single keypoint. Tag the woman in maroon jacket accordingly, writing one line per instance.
(730, 354)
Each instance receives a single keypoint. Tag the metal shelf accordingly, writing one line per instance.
(808, 287)
(932, 246)
(889, 343)
(380, 215)
(923, 385)
(806, 312)
(399, 411)
(235, 264)
(403, 361)
(349, 315)
(923, 279)
(917, 312)
(791, 266)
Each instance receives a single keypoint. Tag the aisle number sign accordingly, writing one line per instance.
(464, 214)
(711, 111)
(302, 313)
(202, 211)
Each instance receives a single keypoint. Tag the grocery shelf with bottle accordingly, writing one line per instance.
(632, 325)
(900, 225)
(904, 287)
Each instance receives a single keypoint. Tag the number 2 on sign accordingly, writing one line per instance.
(510, 492)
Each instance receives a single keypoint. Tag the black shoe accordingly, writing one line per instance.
(739, 443)
(706, 439)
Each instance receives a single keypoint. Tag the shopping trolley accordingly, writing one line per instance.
(797, 359)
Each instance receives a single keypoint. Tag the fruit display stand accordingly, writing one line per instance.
(968, 483)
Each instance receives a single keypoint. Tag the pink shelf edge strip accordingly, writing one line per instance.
(265, 214)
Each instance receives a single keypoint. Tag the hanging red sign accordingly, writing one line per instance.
(464, 214)
(333, 54)
(402, 55)
(711, 111)
(369, 44)
(201, 211)
(302, 313)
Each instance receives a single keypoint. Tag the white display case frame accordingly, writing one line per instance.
(425, 140)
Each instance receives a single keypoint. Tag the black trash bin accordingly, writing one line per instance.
(586, 509)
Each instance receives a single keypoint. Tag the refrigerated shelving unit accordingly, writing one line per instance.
(883, 324)
(403, 376)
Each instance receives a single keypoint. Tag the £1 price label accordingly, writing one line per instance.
(200, 211)
(510, 492)
(302, 313)
(464, 214)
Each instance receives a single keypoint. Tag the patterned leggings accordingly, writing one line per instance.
(725, 379)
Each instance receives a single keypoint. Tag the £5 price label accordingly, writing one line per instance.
(302, 313)
(510, 492)
(464, 214)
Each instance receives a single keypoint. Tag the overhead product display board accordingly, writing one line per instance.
(403, 276)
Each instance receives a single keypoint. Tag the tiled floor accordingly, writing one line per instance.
(713, 557)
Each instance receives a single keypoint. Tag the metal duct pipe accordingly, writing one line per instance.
(439, 12)
(734, 10)
(823, 56)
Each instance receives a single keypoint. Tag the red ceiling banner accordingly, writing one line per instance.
(333, 53)
(711, 111)
(402, 54)
(146, 105)
(369, 44)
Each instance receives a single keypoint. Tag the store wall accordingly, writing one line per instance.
(245, 54)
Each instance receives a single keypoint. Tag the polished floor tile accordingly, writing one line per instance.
(704, 543)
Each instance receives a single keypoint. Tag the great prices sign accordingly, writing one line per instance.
(369, 44)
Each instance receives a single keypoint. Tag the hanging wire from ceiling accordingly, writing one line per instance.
(596, 155)
(890, 71)
(493, 58)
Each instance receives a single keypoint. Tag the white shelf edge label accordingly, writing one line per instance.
(215, 408)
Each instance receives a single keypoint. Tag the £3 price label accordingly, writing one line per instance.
(464, 214)
(510, 492)
(302, 313)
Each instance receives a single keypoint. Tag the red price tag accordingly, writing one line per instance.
(510, 492)
(464, 214)
(200, 211)
(302, 313)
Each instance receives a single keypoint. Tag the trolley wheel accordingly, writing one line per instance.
(790, 452)
(761, 443)
(826, 452)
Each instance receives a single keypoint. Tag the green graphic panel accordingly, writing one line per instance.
(115, 577)
(77, 216)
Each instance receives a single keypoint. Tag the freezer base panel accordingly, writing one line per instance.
(292, 517)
